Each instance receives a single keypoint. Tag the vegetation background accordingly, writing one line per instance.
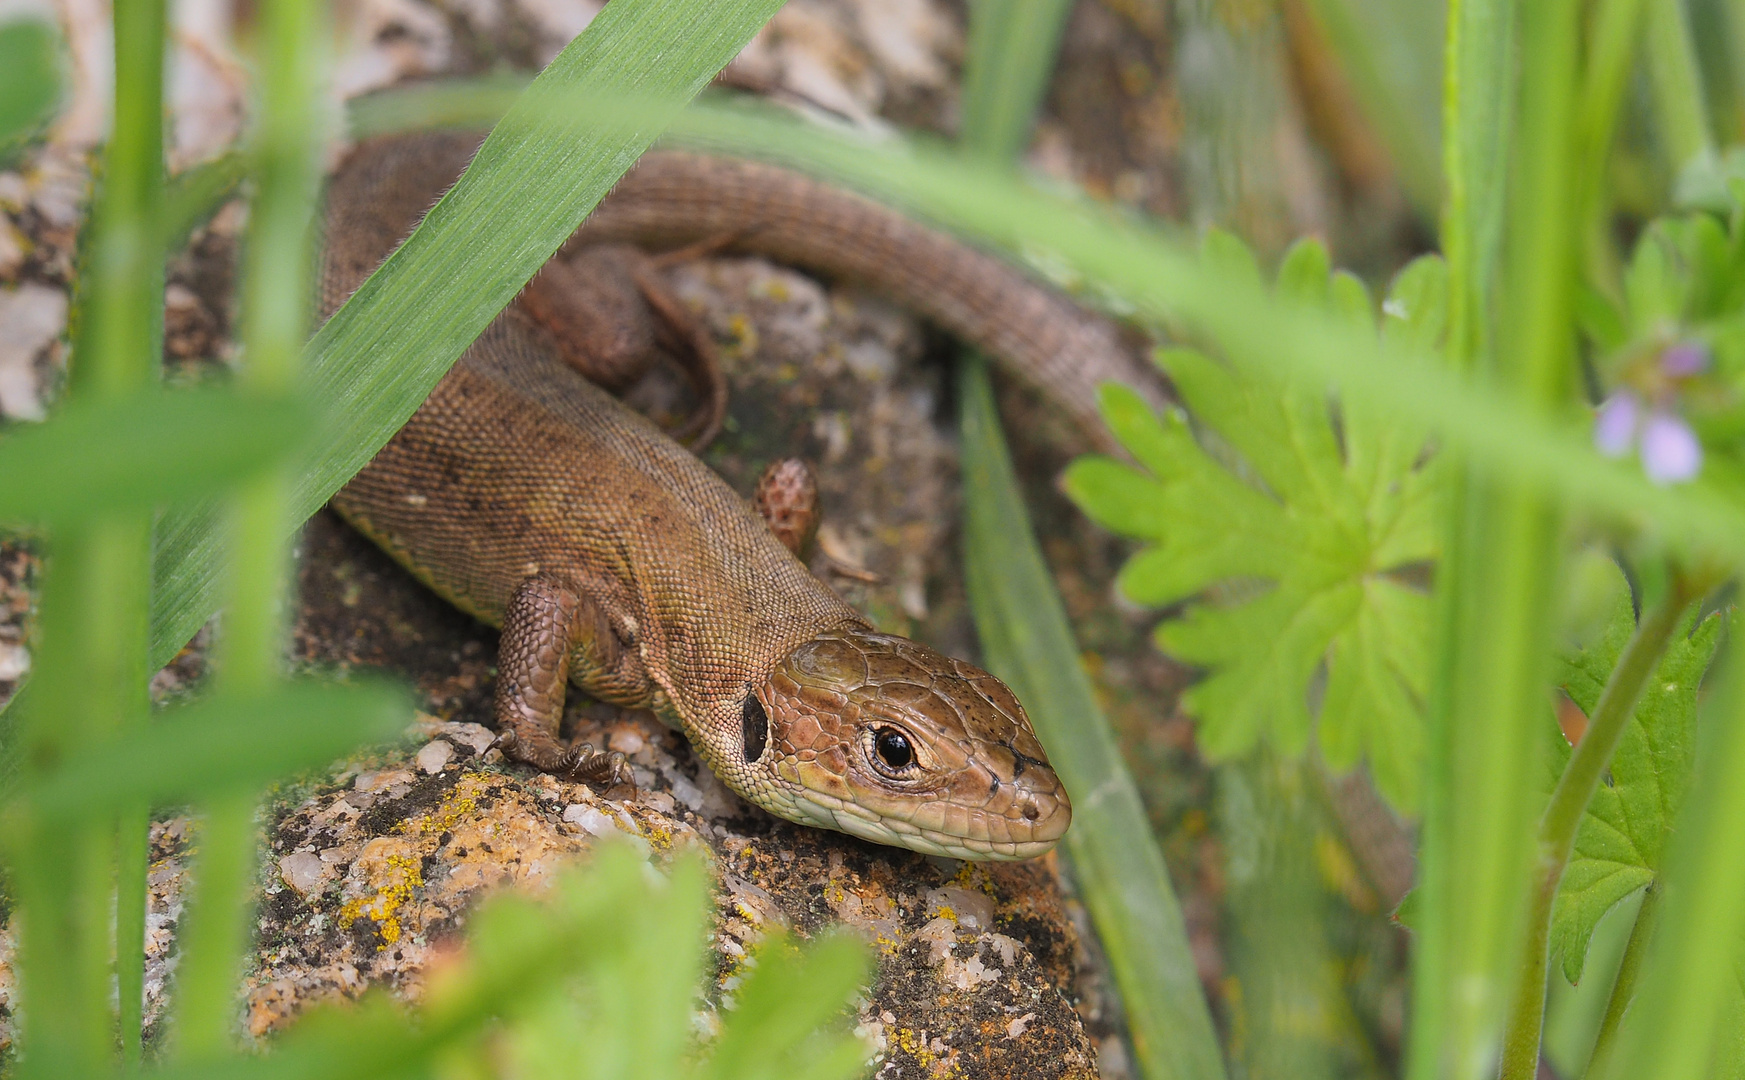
(1474, 537)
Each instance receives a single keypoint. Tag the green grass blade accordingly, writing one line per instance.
(1026, 641)
(1389, 53)
(1477, 123)
(247, 658)
(1011, 56)
(90, 678)
(1680, 105)
(195, 194)
(543, 168)
(143, 451)
(1169, 283)
(220, 745)
(449, 103)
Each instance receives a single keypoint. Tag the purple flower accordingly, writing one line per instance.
(1685, 359)
(1615, 426)
(1670, 450)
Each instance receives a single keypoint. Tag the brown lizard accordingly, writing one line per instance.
(612, 558)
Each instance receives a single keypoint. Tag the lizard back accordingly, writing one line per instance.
(516, 465)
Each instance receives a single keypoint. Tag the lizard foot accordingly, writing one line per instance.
(598, 768)
(582, 763)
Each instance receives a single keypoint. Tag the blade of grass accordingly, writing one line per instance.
(1696, 949)
(1498, 592)
(90, 680)
(1606, 1041)
(195, 194)
(1011, 56)
(1027, 642)
(1611, 54)
(247, 657)
(543, 168)
(1680, 106)
(1164, 281)
(1477, 118)
(1006, 72)
(1369, 39)
(450, 103)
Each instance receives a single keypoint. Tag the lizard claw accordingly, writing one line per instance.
(598, 768)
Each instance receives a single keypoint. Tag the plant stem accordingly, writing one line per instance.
(1624, 986)
(1496, 589)
(1678, 86)
(90, 680)
(248, 660)
(1562, 818)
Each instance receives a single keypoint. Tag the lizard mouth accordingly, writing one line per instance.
(890, 741)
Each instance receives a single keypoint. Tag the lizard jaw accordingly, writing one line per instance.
(885, 739)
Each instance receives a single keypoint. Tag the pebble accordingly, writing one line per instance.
(303, 871)
(434, 755)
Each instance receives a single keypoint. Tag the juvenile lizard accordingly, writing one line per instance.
(612, 558)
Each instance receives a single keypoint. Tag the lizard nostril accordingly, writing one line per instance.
(1030, 812)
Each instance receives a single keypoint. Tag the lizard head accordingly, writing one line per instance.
(890, 741)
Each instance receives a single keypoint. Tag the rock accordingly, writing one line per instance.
(304, 871)
(435, 754)
(32, 317)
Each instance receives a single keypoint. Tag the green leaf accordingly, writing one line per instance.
(1619, 845)
(143, 452)
(778, 1026)
(30, 78)
(1291, 532)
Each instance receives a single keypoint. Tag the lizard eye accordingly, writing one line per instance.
(753, 727)
(892, 750)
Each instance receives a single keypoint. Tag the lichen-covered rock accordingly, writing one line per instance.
(371, 877)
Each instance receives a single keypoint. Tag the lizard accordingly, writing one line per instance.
(612, 558)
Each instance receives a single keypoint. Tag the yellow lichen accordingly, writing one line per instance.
(914, 1043)
(402, 874)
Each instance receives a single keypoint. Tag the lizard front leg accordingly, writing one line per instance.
(551, 631)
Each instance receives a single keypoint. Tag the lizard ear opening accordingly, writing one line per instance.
(753, 728)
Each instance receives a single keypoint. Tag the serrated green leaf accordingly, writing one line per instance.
(1619, 845)
(1292, 527)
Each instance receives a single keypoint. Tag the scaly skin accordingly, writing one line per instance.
(612, 558)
